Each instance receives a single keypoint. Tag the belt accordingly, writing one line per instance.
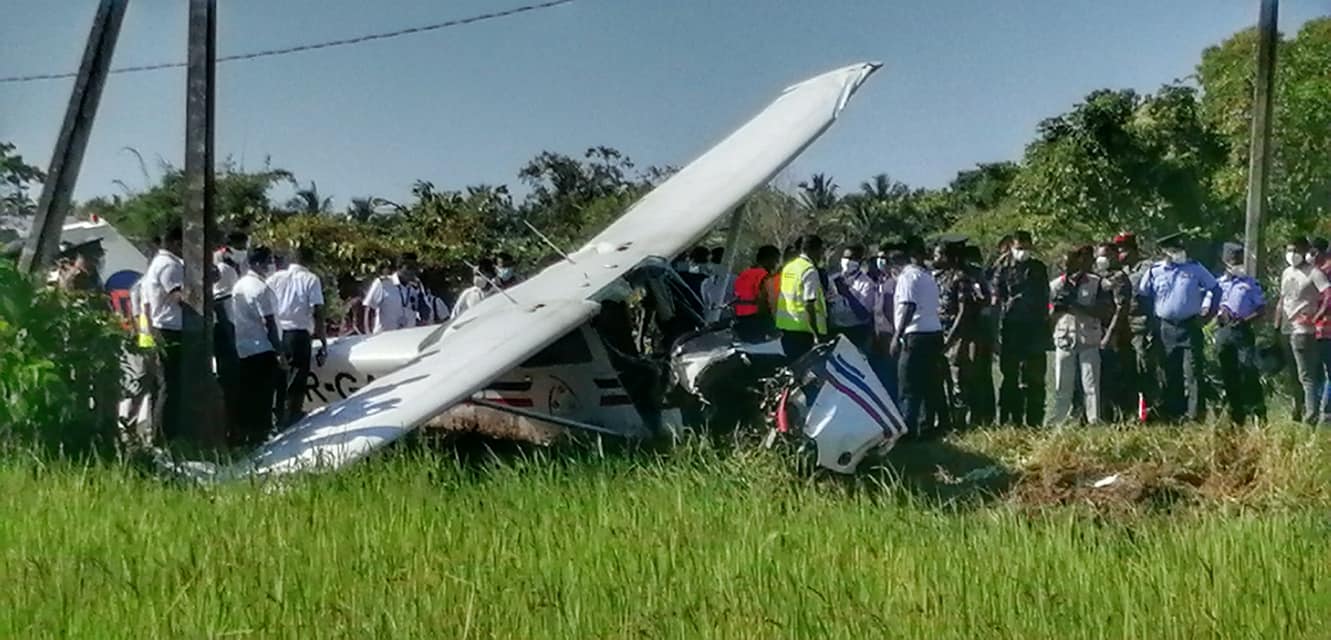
(1180, 321)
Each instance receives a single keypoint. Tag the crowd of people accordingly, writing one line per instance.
(401, 297)
(269, 313)
(1127, 334)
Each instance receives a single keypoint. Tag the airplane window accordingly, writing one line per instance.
(570, 349)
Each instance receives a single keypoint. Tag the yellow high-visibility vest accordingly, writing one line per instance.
(145, 334)
(791, 308)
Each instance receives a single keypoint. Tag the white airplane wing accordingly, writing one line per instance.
(500, 333)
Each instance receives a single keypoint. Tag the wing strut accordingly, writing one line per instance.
(548, 241)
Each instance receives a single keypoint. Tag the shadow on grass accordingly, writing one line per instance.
(941, 474)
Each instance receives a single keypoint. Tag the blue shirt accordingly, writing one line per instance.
(1241, 295)
(1177, 290)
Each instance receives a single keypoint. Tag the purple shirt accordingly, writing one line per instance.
(1241, 296)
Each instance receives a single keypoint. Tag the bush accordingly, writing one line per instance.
(59, 368)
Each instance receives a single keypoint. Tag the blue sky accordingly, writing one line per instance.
(965, 81)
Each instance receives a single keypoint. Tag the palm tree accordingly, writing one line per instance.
(819, 193)
(360, 209)
(308, 201)
(882, 188)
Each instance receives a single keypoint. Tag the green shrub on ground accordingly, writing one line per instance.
(59, 367)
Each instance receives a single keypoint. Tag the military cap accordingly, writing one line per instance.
(71, 249)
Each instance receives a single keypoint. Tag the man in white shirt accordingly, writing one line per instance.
(1302, 286)
(300, 317)
(161, 293)
(390, 303)
(253, 309)
(919, 344)
(480, 289)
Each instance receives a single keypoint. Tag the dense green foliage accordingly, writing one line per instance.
(59, 353)
(700, 544)
(17, 179)
(59, 367)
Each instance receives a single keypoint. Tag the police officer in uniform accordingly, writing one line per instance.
(1175, 287)
(983, 407)
(959, 314)
(1118, 362)
(1021, 295)
(1241, 304)
(1140, 373)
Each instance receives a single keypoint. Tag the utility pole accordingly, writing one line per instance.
(63, 173)
(202, 411)
(1259, 153)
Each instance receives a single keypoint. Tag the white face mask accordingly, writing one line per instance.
(504, 273)
(240, 257)
(1311, 258)
(1236, 270)
(1176, 256)
(1019, 254)
(1102, 263)
(1293, 258)
(849, 266)
(881, 263)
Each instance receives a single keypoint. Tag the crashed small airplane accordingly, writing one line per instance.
(541, 350)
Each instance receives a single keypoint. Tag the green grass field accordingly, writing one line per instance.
(994, 534)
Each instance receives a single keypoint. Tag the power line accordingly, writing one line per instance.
(307, 47)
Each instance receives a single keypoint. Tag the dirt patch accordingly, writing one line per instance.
(1110, 471)
(1163, 479)
(1133, 487)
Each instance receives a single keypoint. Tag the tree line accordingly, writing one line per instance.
(1153, 163)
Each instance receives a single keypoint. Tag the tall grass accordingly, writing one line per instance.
(703, 543)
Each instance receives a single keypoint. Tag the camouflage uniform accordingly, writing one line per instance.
(1118, 360)
(1139, 373)
(1022, 292)
(983, 407)
(956, 285)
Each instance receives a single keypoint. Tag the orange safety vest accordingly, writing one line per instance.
(747, 287)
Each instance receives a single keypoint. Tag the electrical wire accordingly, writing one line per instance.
(307, 47)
